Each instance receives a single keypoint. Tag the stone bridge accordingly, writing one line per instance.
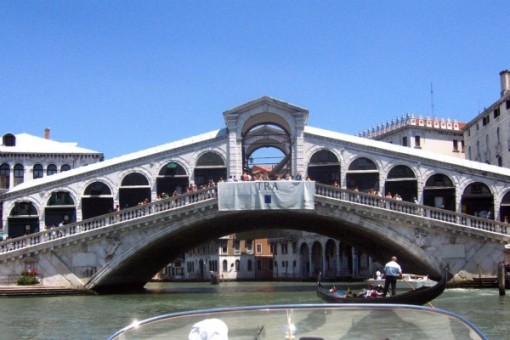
(123, 250)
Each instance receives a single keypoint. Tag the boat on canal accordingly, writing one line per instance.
(305, 322)
(407, 281)
(419, 296)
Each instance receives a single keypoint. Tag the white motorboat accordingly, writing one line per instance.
(307, 321)
(408, 281)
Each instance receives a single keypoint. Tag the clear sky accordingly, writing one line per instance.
(122, 76)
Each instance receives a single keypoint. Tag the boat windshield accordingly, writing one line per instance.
(305, 322)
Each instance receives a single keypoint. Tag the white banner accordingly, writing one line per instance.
(260, 195)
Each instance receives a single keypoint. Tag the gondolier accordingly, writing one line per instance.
(392, 271)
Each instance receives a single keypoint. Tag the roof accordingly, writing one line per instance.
(26, 143)
(121, 159)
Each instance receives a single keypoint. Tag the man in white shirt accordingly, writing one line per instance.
(392, 271)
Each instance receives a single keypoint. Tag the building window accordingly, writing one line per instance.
(259, 248)
(508, 104)
(5, 174)
(485, 120)
(38, 171)
(224, 266)
(462, 147)
(417, 142)
(404, 141)
(238, 265)
(236, 247)
(51, 170)
(496, 112)
(65, 167)
(285, 248)
(250, 266)
(19, 174)
(259, 264)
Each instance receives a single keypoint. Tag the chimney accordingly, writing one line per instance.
(47, 133)
(505, 82)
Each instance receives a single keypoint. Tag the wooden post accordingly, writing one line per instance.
(501, 278)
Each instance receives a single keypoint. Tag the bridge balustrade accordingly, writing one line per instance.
(107, 220)
(412, 208)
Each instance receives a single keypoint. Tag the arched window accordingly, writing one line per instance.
(5, 176)
(51, 170)
(238, 265)
(38, 171)
(9, 139)
(224, 266)
(324, 167)
(19, 174)
(65, 167)
(134, 179)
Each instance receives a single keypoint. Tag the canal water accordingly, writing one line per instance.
(98, 316)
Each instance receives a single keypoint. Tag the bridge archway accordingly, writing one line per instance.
(402, 180)
(172, 178)
(134, 268)
(324, 167)
(97, 200)
(439, 192)
(504, 210)
(59, 208)
(363, 175)
(210, 167)
(478, 200)
(134, 189)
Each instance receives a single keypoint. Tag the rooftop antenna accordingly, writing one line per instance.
(432, 100)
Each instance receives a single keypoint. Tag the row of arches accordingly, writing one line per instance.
(18, 173)
(99, 197)
(438, 191)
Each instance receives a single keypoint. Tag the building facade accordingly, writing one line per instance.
(487, 136)
(439, 135)
(25, 158)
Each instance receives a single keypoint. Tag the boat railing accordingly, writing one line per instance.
(412, 209)
(107, 220)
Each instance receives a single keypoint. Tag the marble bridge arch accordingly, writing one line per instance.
(132, 269)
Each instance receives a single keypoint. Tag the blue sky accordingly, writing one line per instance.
(122, 76)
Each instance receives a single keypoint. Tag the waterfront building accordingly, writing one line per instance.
(229, 256)
(439, 135)
(487, 136)
(25, 158)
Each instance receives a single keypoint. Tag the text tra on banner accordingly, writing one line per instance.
(266, 195)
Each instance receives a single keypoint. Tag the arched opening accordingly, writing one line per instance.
(477, 200)
(504, 209)
(23, 219)
(60, 208)
(331, 259)
(97, 200)
(304, 256)
(172, 177)
(5, 176)
(51, 169)
(317, 265)
(324, 167)
(345, 253)
(19, 174)
(260, 144)
(402, 181)
(210, 168)
(363, 175)
(38, 171)
(439, 192)
(134, 189)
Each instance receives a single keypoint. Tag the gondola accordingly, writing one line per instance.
(419, 296)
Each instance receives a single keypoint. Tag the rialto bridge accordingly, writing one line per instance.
(451, 213)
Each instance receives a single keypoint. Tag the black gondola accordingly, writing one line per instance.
(419, 296)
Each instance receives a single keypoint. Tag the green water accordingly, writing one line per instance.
(96, 317)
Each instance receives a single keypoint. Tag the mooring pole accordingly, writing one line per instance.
(501, 278)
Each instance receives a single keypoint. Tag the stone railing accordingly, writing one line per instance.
(413, 209)
(107, 220)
